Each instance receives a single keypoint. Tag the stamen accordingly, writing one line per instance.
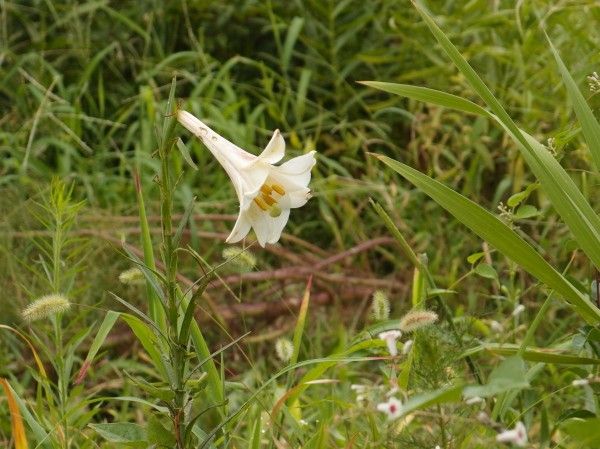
(260, 203)
(279, 189)
(267, 199)
(266, 189)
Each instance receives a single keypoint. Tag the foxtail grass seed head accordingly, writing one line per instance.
(239, 257)
(284, 349)
(390, 338)
(133, 276)
(392, 408)
(45, 307)
(516, 436)
(380, 307)
(416, 319)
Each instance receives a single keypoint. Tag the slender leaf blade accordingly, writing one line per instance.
(497, 233)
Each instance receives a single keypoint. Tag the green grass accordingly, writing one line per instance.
(84, 88)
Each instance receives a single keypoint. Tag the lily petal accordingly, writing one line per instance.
(274, 150)
(277, 224)
(299, 168)
(240, 229)
(230, 156)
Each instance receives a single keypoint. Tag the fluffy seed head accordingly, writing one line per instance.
(416, 319)
(240, 258)
(380, 307)
(284, 349)
(46, 306)
(133, 276)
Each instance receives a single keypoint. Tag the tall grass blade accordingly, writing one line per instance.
(16, 422)
(564, 195)
(589, 124)
(497, 233)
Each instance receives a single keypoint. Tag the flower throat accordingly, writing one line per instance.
(266, 201)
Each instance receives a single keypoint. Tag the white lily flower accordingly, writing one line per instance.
(392, 408)
(516, 436)
(266, 192)
(390, 338)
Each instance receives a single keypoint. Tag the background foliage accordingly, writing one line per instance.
(83, 87)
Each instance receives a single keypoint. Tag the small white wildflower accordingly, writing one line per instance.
(516, 436)
(380, 307)
(392, 408)
(133, 276)
(284, 349)
(416, 319)
(390, 338)
(551, 146)
(518, 310)
(473, 400)
(45, 307)
(407, 347)
(496, 326)
(483, 417)
(358, 388)
(239, 257)
(505, 212)
(580, 382)
(361, 398)
(594, 82)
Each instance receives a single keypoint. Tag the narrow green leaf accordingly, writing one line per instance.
(585, 432)
(428, 96)
(185, 153)
(290, 40)
(299, 329)
(440, 396)
(589, 124)
(509, 375)
(389, 224)
(155, 306)
(121, 432)
(542, 355)
(565, 197)
(497, 233)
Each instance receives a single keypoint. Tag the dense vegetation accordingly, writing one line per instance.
(105, 217)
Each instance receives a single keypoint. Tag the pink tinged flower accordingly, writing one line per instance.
(516, 436)
(266, 192)
(390, 338)
(392, 408)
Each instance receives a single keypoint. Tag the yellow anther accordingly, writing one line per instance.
(266, 189)
(267, 199)
(261, 203)
(278, 188)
